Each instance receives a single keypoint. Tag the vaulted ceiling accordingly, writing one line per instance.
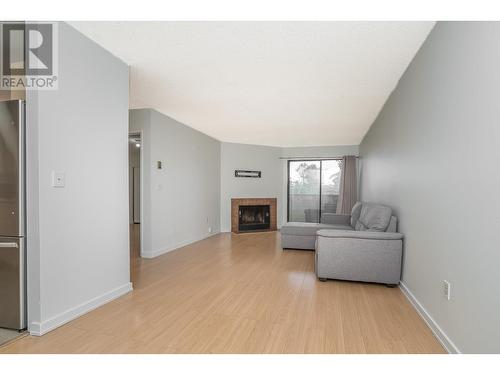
(268, 83)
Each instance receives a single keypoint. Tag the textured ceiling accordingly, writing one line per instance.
(269, 83)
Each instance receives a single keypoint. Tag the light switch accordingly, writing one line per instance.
(58, 179)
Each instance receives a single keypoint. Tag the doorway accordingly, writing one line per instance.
(134, 157)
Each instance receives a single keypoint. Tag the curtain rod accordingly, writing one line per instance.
(313, 157)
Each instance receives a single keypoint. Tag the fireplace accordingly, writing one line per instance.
(254, 218)
(253, 214)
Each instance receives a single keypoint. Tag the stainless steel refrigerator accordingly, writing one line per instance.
(12, 215)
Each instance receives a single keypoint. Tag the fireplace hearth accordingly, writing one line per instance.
(254, 218)
(253, 214)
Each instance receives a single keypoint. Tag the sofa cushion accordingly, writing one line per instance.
(393, 225)
(355, 212)
(373, 217)
(359, 226)
(309, 229)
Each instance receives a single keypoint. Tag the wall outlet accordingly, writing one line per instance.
(447, 289)
(209, 229)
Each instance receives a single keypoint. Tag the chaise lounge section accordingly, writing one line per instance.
(296, 235)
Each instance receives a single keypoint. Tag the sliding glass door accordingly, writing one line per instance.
(313, 189)
(303, 190)
(330, 182)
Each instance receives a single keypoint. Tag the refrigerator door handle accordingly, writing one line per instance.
(9, 244)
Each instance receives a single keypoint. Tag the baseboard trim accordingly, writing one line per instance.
(167, 249)
(442, 337)
(41, 328)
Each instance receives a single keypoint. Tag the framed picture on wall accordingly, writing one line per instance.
(251, 174)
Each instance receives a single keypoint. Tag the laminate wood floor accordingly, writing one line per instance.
(240, 294)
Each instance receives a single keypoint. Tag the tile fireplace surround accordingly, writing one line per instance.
(237, 202)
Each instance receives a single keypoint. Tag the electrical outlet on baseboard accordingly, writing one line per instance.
(447, 289)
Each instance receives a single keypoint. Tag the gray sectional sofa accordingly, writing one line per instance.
(363, 246)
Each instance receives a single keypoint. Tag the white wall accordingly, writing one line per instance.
(78, 239)
(249, 157)
(273, 183)
(181, 201)
(320, 151)
(432, 154)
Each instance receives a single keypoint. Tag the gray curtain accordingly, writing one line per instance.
(348, 185)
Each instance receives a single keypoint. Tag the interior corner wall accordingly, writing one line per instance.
(180, 201)
(432, 154)
(78, 235)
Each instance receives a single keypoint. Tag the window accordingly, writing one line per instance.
(313, 189)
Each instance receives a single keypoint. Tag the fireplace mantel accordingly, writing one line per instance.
(237, 202)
